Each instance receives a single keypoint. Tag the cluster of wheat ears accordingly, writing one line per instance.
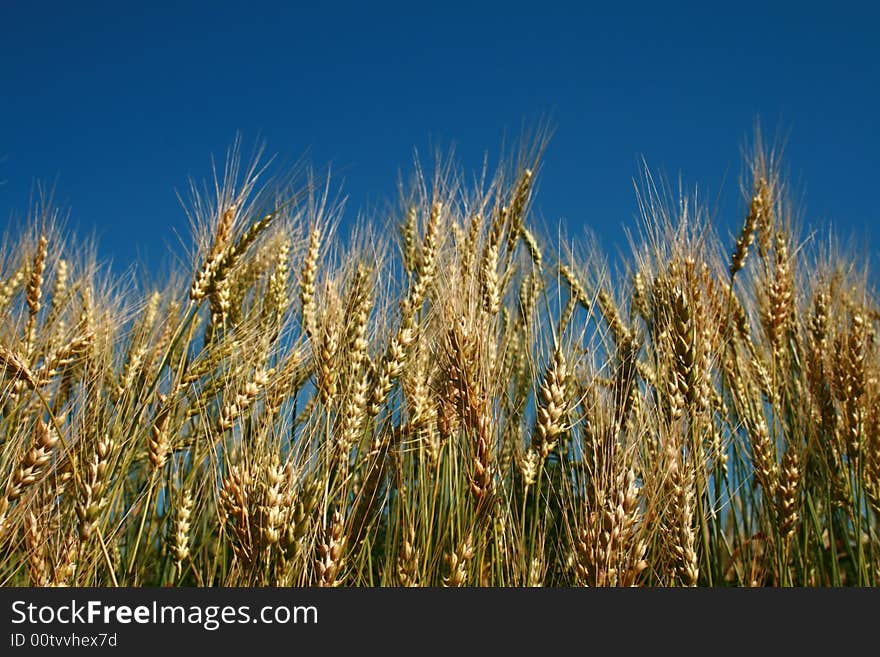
(454, 402)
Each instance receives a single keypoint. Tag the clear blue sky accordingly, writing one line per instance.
(118, 103)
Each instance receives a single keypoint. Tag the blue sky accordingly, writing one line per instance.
(117, 104)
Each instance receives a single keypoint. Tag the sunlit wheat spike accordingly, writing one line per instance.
(307, 281)
(552, 406)
(217, 265)
(758, 209)
(15, 367)
(28, 470)
(332, 553)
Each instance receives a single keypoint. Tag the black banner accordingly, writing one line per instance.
(407, 621)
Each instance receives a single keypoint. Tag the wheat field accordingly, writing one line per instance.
(460, 400)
